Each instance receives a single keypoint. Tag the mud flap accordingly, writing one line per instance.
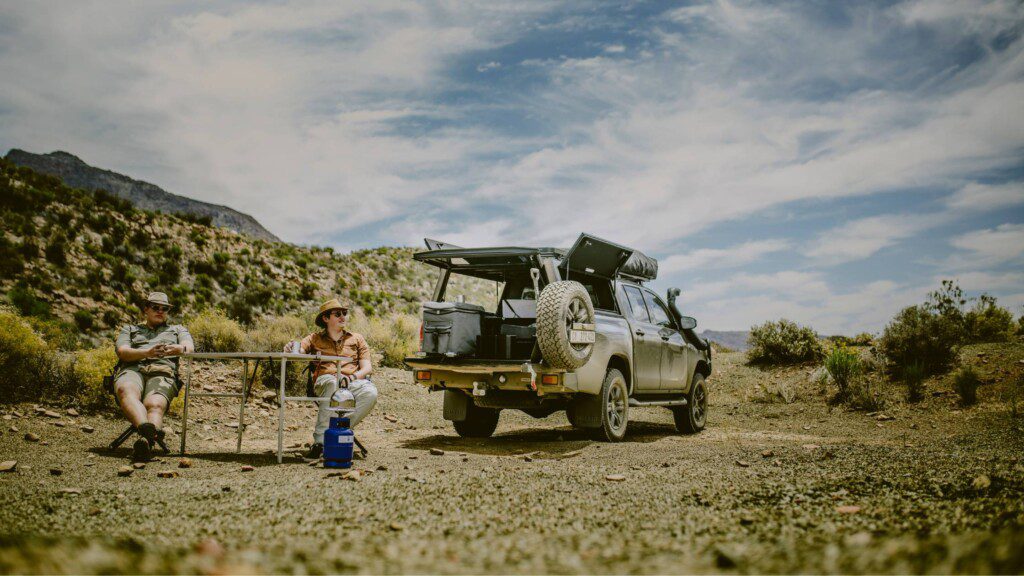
(456, 405)
(586, 410)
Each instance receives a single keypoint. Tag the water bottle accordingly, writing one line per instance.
(339, 441)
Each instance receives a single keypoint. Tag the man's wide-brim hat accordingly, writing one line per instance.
(158, 298)
(333, 304)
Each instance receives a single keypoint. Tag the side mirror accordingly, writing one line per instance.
(687, 322)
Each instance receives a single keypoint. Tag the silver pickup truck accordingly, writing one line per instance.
(574, 330)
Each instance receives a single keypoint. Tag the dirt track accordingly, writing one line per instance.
(767, 487)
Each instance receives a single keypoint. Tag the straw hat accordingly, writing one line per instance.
(332, 304)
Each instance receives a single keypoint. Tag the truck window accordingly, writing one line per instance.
(637, 308)
(659, 313)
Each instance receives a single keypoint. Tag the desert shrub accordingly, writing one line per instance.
(88, 369)
(843, 365)
(26, 302)
(913, 379)
(917, 334)
(783, 342)
(861, 395)
(966, 382)
(56, 250)
(11, 258)
(1020, 325)
(986, 321)
(394, 336)
(271, 333)
(84, 319)
(57, 333)
(24, 356)
(213, 331)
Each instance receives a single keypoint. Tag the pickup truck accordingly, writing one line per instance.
(574, 330)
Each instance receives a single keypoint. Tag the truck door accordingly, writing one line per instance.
(674, 351)
(646, 342)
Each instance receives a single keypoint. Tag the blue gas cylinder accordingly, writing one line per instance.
(338, 443)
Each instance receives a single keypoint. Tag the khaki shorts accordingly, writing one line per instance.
(165, 386)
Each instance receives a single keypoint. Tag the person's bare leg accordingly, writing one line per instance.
(130, 398)
(156, 405)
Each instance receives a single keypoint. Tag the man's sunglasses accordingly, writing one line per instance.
(338, 313)
(158, 308)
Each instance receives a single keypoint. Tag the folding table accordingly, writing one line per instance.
(245, 357)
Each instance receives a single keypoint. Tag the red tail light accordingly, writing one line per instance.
(421, 336)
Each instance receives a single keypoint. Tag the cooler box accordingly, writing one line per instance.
(451, 327)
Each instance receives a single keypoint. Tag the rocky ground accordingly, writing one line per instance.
(768, 487)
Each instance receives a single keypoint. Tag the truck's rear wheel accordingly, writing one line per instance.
(479, 422)
(565, 318)
(691, 418)
(614, 408)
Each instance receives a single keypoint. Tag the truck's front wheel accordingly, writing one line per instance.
(691, 418)
(479, 422)
(614, 408)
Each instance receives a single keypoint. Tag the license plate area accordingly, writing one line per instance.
(582, 337)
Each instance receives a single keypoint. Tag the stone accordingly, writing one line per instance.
(56, 471)
(390, 418)
(981, 482)
(615, 477)
(139, 465)
(30, 437)
(8, 466)
(847, 509)
(743, 464)
(382, 468)
(167, 474)
(59, 424)
(88, 429)
(767, 454)
(50, 414)
(209, 547)
(884, 417)
(70, 491)
(72, 412)
(247, 468)
(395, 526)
(436, 452)
(13, 428)
(185, 463)
(125, 471)
(353, 475)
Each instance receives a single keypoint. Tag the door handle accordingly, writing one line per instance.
(639, 332)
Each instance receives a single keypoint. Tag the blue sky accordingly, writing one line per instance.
(826, 162)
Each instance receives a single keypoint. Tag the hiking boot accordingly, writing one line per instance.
(141, 450)
(148, 431)
(315, 452)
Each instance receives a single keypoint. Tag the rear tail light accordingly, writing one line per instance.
(421, 336)
(549, 379)
(423, 374)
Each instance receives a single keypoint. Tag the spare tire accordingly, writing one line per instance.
(565, 325)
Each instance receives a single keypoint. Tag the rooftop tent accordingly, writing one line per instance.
(593, 255)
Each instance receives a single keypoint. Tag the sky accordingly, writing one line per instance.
(826, 162)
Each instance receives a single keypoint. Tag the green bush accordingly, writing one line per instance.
(271, 333)
(783, 342)
(394, 336)
(843, 365)
(88, 369)
(24, 357)
(966, 382)
(84, 319)
(918, 335)
(988, 322)
(26, 302)
(913, 379)
(213, 331)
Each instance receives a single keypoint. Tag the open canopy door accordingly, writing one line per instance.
(593, 255)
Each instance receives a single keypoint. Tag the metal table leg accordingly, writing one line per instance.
(241, 409)
(280, 414)
(184, 410)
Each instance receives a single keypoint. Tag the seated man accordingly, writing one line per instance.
(146, 378)
(335, 340)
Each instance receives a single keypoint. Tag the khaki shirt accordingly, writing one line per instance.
(351, 345)
(142, 337)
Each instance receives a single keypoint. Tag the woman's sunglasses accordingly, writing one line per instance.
(158, 308)
(337, 313)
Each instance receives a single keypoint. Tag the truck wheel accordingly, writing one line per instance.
(614, 408)
(479, 422)
(561, 309)
(691, 418)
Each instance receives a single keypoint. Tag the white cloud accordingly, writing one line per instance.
(981, 197)
(862, 238)
(985, 281)
(711, 258)
(991, 247)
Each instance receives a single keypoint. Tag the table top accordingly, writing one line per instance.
(262, 356)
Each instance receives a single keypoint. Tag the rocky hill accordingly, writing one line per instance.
(77, 174)
(733, 340)
(78, 262)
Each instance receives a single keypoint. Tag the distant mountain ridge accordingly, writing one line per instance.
(735, 340)
(74, 172)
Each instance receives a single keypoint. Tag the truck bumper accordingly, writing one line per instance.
(478, 377)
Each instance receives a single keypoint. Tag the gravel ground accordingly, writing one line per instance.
(766, 488)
